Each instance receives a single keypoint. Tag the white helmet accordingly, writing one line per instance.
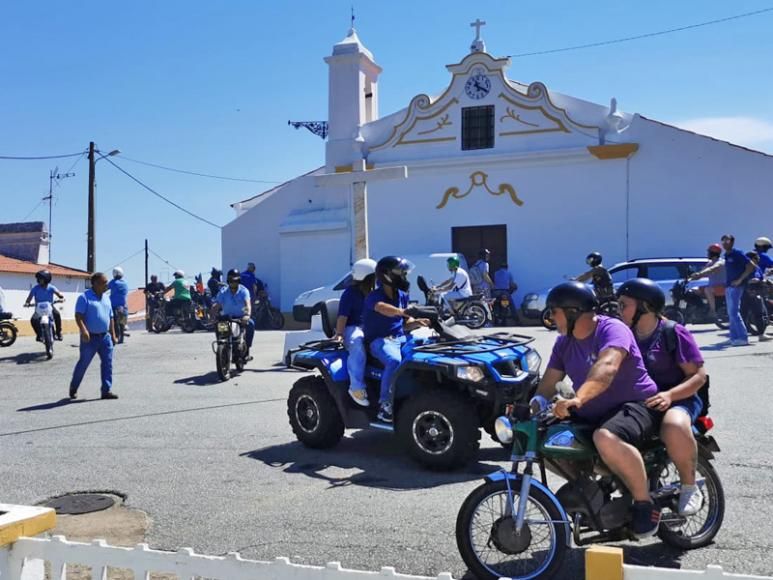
(763, 242)
(179, 274)
(361, 269)
(118, 272)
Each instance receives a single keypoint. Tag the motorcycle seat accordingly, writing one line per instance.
(6, 315)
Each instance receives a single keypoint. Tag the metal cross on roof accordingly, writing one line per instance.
(477, 25)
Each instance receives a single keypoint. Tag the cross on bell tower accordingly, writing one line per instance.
(478, 45)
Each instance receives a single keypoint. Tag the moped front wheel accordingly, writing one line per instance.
(489, 544)
(223, 361)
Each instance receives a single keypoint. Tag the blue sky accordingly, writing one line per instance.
(209, 87)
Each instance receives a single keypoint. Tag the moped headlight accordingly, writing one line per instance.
(504, 430)
(223, 327)
(533, 361)
(470, 373)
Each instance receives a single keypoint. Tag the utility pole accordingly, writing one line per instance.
(147, 312)
(90, 251)
(52, 176)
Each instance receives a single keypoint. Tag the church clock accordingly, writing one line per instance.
(477, 86)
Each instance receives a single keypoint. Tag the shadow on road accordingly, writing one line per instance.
(381, 462)
(46, 406)
(24, 357)
(207, 379)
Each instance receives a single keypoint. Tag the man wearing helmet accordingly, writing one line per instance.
(598, 275)
(44, 291)
(385, 322)
(761, 246)
(181, 301)
(234, 301)
(715, 270)
(600, 356)
(119, 291)
(349, 326)
(457, 286)
(215, 283)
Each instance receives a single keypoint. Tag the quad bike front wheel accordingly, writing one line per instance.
(313, 413)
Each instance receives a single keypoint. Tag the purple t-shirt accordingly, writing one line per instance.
(576, 357)
(663, 366)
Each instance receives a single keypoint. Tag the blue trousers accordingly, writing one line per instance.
(354, 341)
(249, 332)
(102, 345)
(387, 350)
(733, 297)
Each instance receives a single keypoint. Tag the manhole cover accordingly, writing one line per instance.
(80, 503)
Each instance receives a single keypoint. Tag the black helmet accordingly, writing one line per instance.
(644, 290)
(215, 273)
(572, 295)
(234, 274)
(593, 259)
(484, 254)
(393, 271)
(43, 275)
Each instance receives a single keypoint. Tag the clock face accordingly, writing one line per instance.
(477, 86)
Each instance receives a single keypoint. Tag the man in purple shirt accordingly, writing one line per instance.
(600, 356)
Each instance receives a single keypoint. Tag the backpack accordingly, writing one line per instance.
(476, 276)
(670, 342)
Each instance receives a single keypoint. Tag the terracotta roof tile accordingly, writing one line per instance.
(15, 266)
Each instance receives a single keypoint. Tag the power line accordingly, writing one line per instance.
(164, 167)
(137, 253)
(163, 260)
(34, 209)
(15, 158)
(647, 35)
(154, 192)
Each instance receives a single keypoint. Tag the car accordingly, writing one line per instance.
(451, 382)
(432, 266)
(664, 271)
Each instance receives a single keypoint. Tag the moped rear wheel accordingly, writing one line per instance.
(489, 545)
(475, 316)
(48, 339)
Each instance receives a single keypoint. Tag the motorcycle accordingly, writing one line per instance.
(265, 315)
(690, 307)
(8, 330)
(44, 311)
(163, 319)
(229, 345)
(515, 526)
(754, 306)
(473, 312)
(121, 320)
(501, 308)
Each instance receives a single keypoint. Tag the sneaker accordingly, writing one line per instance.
(690, 500)
(39, 339)
(385, 413)
(58, 337)
(109, 395)
(359, 396)
(73, 393)
(739, 342)
(646, 519)
(764, 338)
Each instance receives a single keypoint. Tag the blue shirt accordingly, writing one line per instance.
(233, 303)
(250, 281)
(503, 279)
(765, 261)
(735, 264)
(119, 290)
(351, 305)
(96, 311)
(377, 325)
(41, 294)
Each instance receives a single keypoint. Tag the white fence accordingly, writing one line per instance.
(710, 573)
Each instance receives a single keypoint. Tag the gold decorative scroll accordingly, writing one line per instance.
(511, 114)
(444, 122)
(480, 179)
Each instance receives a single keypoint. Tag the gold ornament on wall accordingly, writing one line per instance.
(480, 179)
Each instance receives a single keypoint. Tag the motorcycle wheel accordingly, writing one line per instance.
(547, 322)
(673, 313)
(223, 361)
(756, 323)
(475, 316)
(48, 339)
(188, 323)
(698, 530)
(486, 538)
(239, 358)
(276, 319)
(158, 323)
(8, 334)
(723, 320)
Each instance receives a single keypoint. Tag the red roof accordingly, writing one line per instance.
(24, 267)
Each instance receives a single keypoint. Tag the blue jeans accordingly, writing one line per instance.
(249, 332)
(354, 341)
(387, 350)
(733, 297)
(102, 345)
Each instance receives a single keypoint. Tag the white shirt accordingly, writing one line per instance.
(462, 283)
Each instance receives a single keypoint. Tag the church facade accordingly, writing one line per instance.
(539, 178)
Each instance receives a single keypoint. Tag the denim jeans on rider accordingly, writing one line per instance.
(103, 346)
(450, 297)
(387, 350)
(733, 297)
(249, 332)
(354, 341)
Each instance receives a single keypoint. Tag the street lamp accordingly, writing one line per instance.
(90, 250)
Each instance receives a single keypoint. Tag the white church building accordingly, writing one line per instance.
(538, 177)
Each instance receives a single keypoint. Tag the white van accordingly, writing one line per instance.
(432, 266)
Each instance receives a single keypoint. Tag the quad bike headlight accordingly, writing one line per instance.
(504, 430)
(470, 373)
(533, 361)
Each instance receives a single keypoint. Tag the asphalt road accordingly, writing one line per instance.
(217, 468)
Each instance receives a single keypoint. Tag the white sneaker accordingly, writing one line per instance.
(764, 338)
(360, 396)
(690, 500)
(739, 342)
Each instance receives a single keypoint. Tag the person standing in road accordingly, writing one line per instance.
(479, 274)
(737, 270)
(251, 282)
(505, 284)
(94, 317)
(119, 293)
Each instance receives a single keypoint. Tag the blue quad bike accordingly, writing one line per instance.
(449, 385)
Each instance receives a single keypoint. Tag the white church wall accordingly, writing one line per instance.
(687, 190)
